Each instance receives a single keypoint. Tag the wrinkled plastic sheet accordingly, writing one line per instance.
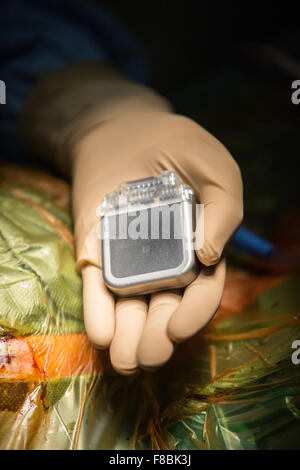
(233, 386)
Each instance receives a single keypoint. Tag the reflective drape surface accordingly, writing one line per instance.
(233, 386)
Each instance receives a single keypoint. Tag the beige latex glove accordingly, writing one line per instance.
(104, 130)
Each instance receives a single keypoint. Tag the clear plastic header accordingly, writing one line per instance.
(149, 192)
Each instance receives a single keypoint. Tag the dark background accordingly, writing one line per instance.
(188, 40)
(214, 62)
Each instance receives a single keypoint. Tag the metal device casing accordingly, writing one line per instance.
(135, 267)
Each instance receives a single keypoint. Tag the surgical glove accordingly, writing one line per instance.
(101, 129)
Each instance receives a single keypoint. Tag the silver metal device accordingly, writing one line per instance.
(147, 231)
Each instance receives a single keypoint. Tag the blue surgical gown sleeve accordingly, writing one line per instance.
(38, 36)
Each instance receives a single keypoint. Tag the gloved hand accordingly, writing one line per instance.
(103, 129)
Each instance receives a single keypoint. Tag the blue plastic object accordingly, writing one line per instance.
(247, 241)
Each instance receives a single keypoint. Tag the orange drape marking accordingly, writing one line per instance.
(44, 357)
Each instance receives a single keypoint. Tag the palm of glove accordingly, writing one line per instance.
(143, 331)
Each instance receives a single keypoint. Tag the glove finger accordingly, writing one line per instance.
(155, 347)
(199, 303)
(130, 320)
(221, 217)
(98, 307)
